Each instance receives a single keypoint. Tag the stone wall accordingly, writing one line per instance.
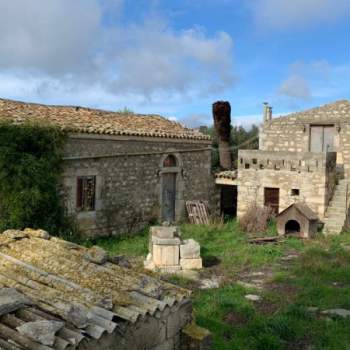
(313, 174)
(128, 174)
(293, 135)
(159, 332)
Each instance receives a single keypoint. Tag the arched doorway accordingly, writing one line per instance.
(292, 227)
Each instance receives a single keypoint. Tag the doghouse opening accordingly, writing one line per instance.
(292, 228)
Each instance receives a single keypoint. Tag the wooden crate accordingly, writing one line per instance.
(198, 212)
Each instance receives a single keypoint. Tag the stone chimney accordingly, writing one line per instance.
(267, 112)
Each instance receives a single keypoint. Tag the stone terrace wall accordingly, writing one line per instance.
(159, 332)
(313, 174)
(293, 135)
(129, 186)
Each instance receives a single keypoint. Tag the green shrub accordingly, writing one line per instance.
(30, 173)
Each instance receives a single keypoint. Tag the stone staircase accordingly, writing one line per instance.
(335, 216)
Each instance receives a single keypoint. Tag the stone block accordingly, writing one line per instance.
(11, 300)
(41, 331)
(148, 263)
(189, 264)
(166, 241)
(96, 255)
(190, 249)
(164, 255)
(178, 319)
(169, 269)
(169, 344)
(164, 231)
(196, 338)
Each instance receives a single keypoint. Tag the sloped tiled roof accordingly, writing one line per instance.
(95, 121)
(57, 281)
(338, 111)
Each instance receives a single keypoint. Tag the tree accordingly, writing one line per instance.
(222, 124)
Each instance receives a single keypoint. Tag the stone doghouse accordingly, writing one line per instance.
(169, 253)
(58, 295)
(123, 170)
(303, 158)
(298, 220)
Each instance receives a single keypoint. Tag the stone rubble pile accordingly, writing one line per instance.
(169, 253)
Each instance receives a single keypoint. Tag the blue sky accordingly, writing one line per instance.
(175, 58)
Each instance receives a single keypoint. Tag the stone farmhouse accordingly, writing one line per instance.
(58, 295)
(123, 170)
(302, 158)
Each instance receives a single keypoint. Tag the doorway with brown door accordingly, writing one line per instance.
(272, 198)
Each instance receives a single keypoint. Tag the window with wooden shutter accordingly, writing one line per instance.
(322, 138)
(86, 193)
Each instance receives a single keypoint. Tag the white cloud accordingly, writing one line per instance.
(156, 59)
(66, 46)
(196, 120)
(54, 36)
(281, 14)
(315, 80)
(296, 86)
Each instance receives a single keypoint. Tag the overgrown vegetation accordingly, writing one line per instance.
(256, 219)
(30, 170)
(245, 139)
(319, 278)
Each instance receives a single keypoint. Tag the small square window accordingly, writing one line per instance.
(86, 193)
(246, 166)
(295, 192)
(261, 166)
(255, 161)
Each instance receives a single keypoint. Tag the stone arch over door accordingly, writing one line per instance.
(171, 187)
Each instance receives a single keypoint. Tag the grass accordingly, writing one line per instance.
(320, 278)
(129, 245)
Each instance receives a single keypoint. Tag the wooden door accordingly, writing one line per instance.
(316, 141)
(272, 198)
(322, 138)
(168, 197)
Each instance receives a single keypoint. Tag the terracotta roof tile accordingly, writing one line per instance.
(95, 121)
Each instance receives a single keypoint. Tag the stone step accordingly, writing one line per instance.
(337, 203)
(334, 222)
(334, 228)
(327, 224)
(336, 210)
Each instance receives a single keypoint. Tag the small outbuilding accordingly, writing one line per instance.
(297, 220)
(61, 296)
